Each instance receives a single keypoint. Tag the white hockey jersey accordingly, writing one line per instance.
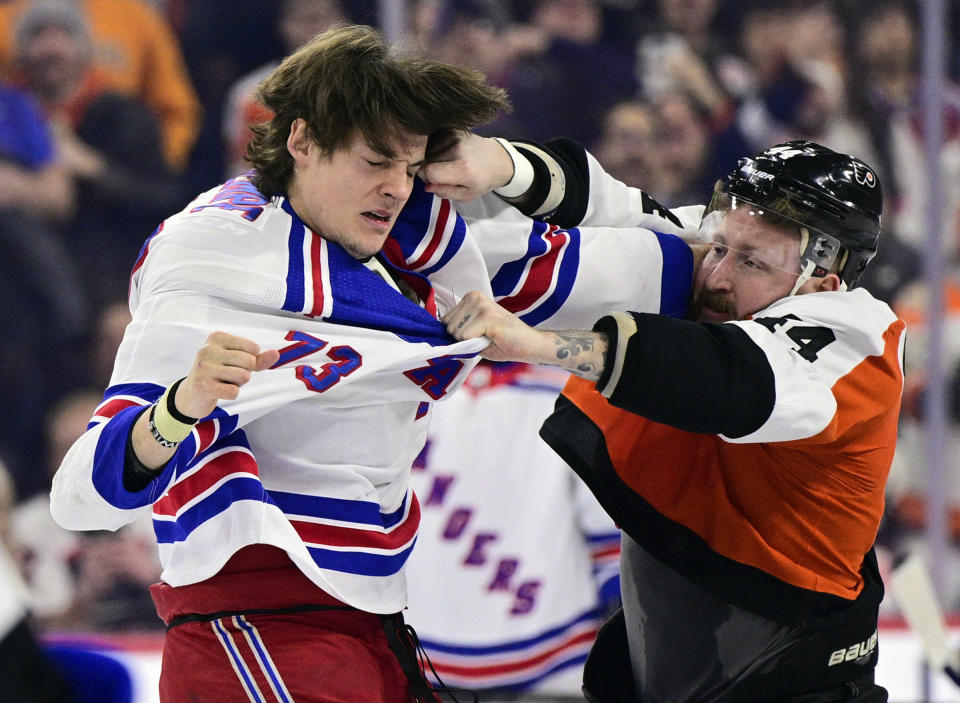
(314, 455)
(516, 561)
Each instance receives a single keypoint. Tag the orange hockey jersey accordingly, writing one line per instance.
(780, 520)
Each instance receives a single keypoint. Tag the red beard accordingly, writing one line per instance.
(715, 301)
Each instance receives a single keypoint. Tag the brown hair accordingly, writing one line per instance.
(346, 80)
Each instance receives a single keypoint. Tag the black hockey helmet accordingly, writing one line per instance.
(836, 196)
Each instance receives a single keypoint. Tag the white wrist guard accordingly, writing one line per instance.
(522, 173)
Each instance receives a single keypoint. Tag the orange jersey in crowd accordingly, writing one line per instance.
(138, 53)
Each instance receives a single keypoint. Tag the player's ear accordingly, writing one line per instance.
(299, 141)
(830, 282)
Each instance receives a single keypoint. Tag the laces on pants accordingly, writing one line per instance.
(414, 661)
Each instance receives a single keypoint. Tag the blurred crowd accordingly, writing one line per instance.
(114, 113)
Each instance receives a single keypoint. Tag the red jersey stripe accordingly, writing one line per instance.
(437, 236)
(201, 479)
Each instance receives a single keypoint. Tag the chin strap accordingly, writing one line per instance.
(804, 276)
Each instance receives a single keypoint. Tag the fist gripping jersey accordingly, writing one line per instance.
(314, 455)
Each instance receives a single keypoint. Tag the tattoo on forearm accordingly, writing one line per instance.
(580, 353)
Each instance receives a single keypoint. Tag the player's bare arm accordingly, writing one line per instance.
(222, 365)
(579, 352)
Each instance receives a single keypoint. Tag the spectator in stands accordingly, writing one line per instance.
(665, 147)
(549, 66)
(139, 56)
(627, 143)
(26, 674)
(43, 306)
(79, 581)
(699, 23)
(789, 83)
(31, 177)
(578, 53)
(683, 48)
(113, 573)
(55, 562)
(221, 42)
(877, 117)
(299, 21)
(483, 35)
(529, 558)
(886, 101)
(108, 142)
(43, 549)
(908, 488)
(683, 149)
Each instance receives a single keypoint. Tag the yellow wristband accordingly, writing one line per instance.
(169, 427)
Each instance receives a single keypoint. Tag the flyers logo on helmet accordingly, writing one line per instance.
(864, 175)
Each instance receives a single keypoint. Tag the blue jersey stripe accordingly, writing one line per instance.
(360, 563)
(413, 222)
(145, 391)
(537, 387)
(341, 509)
(613, 537)
(108, 460)
(509, 275)
(566, 277)
(143, 249)
(236, 489)
(110, 454)
(293, 301)
(676, 280)
(453, 245)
